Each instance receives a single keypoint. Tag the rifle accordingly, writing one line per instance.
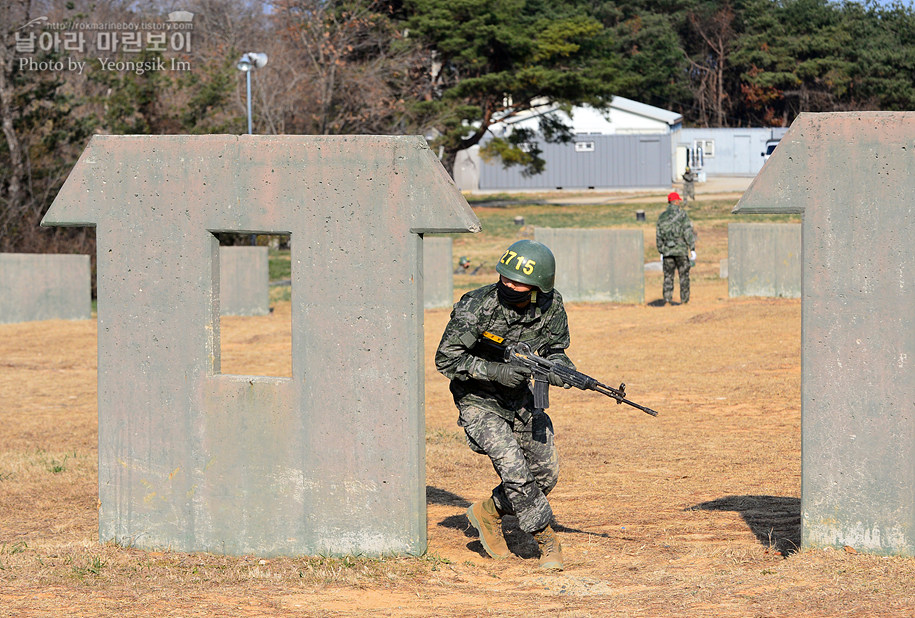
(521, 354)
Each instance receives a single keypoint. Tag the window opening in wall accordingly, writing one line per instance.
(584, 146)
(255, 304)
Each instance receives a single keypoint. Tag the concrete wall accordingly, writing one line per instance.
(37, 286)
(764, 259)
(329, 461)
(852, 175)
(438, 273)
(597, 265)
(244, 278)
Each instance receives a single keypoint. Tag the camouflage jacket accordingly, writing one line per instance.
(462, 357)
(675, 235)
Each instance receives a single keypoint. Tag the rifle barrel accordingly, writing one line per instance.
(644, 409)
(612, 392)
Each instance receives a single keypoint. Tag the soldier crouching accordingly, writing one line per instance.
(494, 398)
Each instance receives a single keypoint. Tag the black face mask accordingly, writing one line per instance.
(510, 297)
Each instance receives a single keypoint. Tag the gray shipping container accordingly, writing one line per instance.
(591, 162)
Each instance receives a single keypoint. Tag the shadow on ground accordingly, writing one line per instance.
(434, 495)
(519, 542)
(660, 302)
(775, 520)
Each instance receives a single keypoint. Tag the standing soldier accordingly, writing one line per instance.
(494, 398)
(689, 188)
(676, 242)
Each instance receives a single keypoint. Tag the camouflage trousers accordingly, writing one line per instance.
(671, 264)
(524, 457)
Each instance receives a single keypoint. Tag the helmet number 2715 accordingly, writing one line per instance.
(508, 256)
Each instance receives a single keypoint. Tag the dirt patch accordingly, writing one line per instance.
(694, 512)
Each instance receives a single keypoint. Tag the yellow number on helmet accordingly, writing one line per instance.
(536, 265)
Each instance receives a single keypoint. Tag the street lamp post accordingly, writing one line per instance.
(247, 63)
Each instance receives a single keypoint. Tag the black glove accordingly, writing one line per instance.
(507, 374)
(555, 380)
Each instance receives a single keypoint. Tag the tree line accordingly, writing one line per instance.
(446, 69)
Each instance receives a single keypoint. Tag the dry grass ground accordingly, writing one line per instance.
(693, 513)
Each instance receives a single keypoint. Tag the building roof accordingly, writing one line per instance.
(649, 111)
(594, 115)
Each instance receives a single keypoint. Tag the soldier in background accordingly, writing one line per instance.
(463, 264)
(676, 242)
(494, 398)
(689, 188)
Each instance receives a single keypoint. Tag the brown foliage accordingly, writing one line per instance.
(333, 68)
(344, 69)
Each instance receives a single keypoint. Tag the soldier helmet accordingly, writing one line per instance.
(673, 196)
(529, 262)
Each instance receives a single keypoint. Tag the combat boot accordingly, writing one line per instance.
(550, 549)
(488, 522)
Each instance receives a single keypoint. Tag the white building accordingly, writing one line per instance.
(654, 153)
(623, 117)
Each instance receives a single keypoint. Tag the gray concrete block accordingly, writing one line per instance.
(36, 286)
(597, 265)
(852, 175)
(329, 461)
(723, 269)
(764, 259)
(438, 273)
(244, 277)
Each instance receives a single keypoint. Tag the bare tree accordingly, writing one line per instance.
(343, 71)
(13, 16)
(709, 70)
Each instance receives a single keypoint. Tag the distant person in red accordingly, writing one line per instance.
(676, 242)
